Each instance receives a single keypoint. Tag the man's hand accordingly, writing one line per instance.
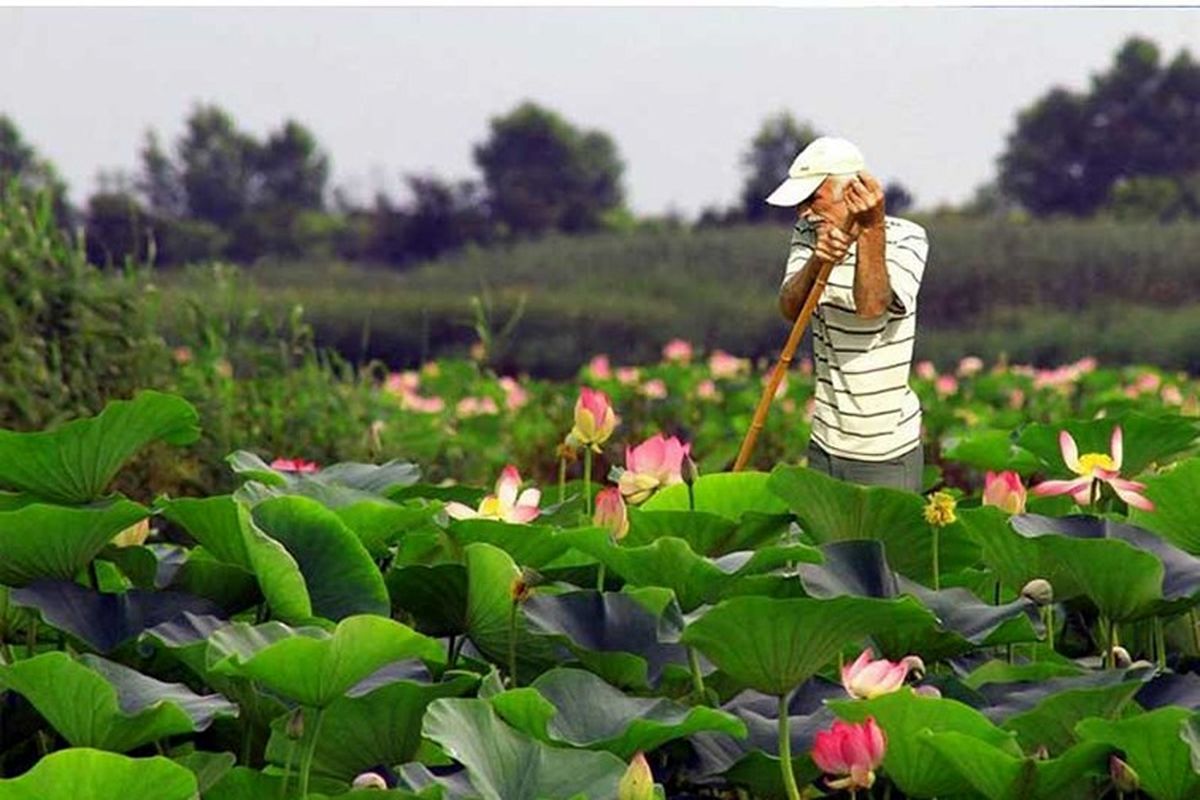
(832, 242)
(864, 199)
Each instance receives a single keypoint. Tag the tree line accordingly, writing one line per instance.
(1128, 146)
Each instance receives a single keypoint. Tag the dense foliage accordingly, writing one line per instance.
(327, 625)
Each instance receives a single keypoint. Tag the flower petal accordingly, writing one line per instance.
(1131, 493)
(1117, 448)
(460, 511)
(1046, 488)
(1070, 451)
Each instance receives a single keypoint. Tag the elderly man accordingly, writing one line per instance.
(866, 425)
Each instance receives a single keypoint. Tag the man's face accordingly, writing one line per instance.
(827, 202)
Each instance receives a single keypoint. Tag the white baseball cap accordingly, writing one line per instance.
(825, 156)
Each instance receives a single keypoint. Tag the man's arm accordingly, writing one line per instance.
(872, 289)
(831, 245)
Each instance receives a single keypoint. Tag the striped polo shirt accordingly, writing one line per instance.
(864, 408)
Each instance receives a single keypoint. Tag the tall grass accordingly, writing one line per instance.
(1038, 291)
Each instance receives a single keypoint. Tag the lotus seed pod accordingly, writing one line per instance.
(295, 725)
(1121, 658)
(369, 780)
(1038, 591)
(1123, 776)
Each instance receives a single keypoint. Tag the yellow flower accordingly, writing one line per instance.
(939, 512)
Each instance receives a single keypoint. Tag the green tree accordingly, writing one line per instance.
(217, 165)
(159, 181)
(541, 173)
(443, 216)
(117, 229)
(20, 162)
(1140, 118)
(765, 163)
(897, 199)
(293, 171)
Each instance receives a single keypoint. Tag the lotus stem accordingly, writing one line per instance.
(1095, 495)
(1195, 632)
(937, 571)
(1048, 615)
(785, 751)
(309, 751)
(562, 480)
(455, 646)
(1160, 643)
(600, 579)
(287, 769)
(1106, 635)
(697, 676)
(691, 497)
(512, 646)
(587, 482)
(95, 576)
(31, 638)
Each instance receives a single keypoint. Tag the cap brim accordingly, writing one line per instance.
(795, 191)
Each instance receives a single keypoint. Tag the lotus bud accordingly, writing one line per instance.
(611, 512)
(638, 782)
(523, 585)
(1038, 591)
(369, 780)
(1121, 658)
(690, 471)
(1123, 776)
(928, 691)
(295, 725)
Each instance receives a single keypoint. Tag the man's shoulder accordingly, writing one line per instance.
(898, 228)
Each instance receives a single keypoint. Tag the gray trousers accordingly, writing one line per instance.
(902, 472)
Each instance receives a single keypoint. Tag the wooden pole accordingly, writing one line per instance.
(785, 361)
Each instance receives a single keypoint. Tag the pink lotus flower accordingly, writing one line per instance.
(594, 419)
(969, 366)
(946, 385)
(599, 367)
(1085, 365)
(627, 375)
(654, 463)
(926, 370)
(1004, 490)
(1172, 396)
(476, 406)
(182, 354)
(505, 504)
(707, 390)
(1094, 469)
(294, 465)
(867, 678)
(1147, 383)
(806, 366)
(611, 512)
(424, 405)
(401, 383)
(655, 389)
(677, 350)
(850, 750)
(1016, 398)
(515, 395)
(723, 365)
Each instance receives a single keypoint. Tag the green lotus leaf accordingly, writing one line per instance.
(85, 774)
(242, 783)
(38, 540)
(435, 596)
(230, 587)
(775, 645)
(1176, 496)
(831, 510)
(993, 450)
(97, 703)
(505, 765)
(377, 521)
(1154, 745)
(215, 522)
(373, 479)
(919, 770)
(491, 578)
(310, 665)
(1146, 439)
(209, 768)
(339, 576)
(629, 638)
(669, 562)
(1051, 721)
(1003, 672)
(706, 533)
(75, 462)
(377, 722)
(576, 708)
(529, 545)
(726, 494)
(999, 775)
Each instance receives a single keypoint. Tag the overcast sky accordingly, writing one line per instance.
(929, 94)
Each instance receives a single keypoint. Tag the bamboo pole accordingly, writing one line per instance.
(785, 359)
